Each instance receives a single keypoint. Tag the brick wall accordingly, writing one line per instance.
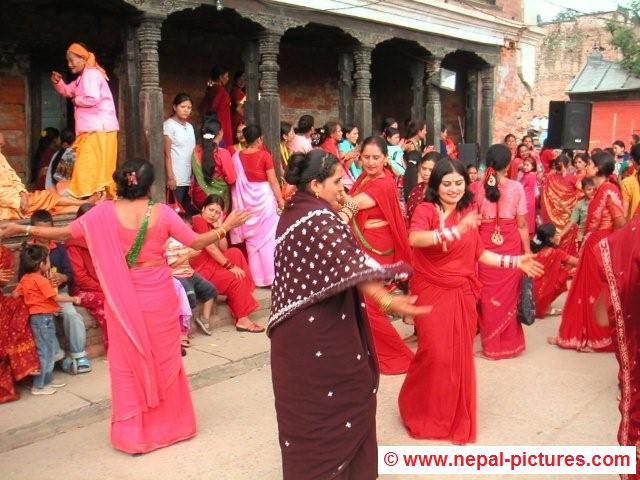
(13, 123)
(511, 97)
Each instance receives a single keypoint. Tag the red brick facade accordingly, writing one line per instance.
(13, 120)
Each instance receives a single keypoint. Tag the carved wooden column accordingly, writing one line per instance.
(251, 58)
(345, 67)
(134, 143)
(433, 107)
(471, 116)
(362, 110)
(487, 78)
(269, 48)
(148, 34)
(417, 88)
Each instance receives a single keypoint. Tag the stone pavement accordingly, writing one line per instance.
(547, 396)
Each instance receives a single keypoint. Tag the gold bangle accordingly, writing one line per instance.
(223, 230)
(385, 302)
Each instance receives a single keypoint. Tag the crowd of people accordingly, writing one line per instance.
(353, 232)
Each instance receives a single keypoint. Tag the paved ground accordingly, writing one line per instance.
(548, 396)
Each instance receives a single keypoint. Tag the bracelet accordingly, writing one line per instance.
(351, 205)
(385, 302)
(508, 261)
(220, 234)
(231, 266)
(347, 212)
(226, 265)
(27, 230)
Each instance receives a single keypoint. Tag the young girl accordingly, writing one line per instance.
(41, 299)
(48, 145)
(579, 212)
(528, 181)
(61, 166)
(555, 260)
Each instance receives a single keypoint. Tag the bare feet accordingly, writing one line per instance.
(480, 354)
(552, 340)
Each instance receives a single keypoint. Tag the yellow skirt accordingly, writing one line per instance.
(96, 157)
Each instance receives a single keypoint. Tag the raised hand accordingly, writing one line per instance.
(55, 77)
(235, 219)
(468, 222)
(530, 266)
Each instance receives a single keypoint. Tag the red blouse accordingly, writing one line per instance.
(256, 164)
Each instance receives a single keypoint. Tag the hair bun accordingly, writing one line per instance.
(295, 167)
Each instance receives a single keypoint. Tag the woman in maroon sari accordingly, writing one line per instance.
(425, 166)
(619, 259)
(579, 329)
(504, 230)
(18, 356)
(380, 230)
(217, 101)
(438, 397)
(325, 376)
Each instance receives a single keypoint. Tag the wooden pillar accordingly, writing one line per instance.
(417, 89)
(433, 107)
(487, 76)
(135, 145)
(345, 67)
(362, 110)
(269, 48)
(148, 34)
(251, 58)
(471, 114)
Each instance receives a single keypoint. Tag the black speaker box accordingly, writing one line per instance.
(468, 153)
(569, 125)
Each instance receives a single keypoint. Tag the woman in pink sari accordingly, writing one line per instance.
(257, 189)
(151, 402)
(503, 230)
(578, 329)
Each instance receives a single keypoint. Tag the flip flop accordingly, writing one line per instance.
(254, 329)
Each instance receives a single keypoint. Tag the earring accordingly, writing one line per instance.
(317, 195)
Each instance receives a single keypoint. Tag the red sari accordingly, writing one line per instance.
(239, 291)
(415, 197)
(619, 256)
(218, 100)
(579, 329)
(438, 398)
(554, 281)
(387, 245)
(18, 356)
(557, 200)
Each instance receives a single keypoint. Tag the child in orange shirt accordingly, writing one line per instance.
(40, 298)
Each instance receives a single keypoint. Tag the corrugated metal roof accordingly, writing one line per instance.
(599, 75)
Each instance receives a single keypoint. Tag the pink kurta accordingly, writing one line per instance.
(151, 401)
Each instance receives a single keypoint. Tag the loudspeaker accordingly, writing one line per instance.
(569, 125)
(468, 153)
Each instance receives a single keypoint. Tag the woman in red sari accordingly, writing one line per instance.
(619, 258)
(217, 101)
(556, 264)
(18, 356)
(425, 166)
(332, 135)
(557, 200)
(380, 230)
(238, 97)
(438, 398)
(503, 209)
(578, 329)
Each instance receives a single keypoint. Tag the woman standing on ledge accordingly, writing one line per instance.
(151, 402)
(323, 363)
(95, 120)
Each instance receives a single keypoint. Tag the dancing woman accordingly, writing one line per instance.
(578, 329)
(438, 397)
(150, 398)
(380, 230)
(323, 366)
(504, 230)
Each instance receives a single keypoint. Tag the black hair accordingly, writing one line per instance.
(386, 123)
(251, 133)
(348, 128)
(619, 143)
(305, 124)
(328, 129)
(609, 150)
(47, 137)
(560, 161)
(635, 153)
(543, 237)
(606, 165)
(378, 141)
(587, 182)
(442, 168)
(596, 150)
(84, 208)
(635, 138)
(521, 145)
(584, 156)
(527, 136)
(285, 128)
(211, 127)
(433, 156)
(303, 167)
(414, 127)
(390, 132)
(67, 136)
(181, 97)
(185, 216)
(472, 165)
(142, 175)
(443, 128)
(237, 75)
(498, 157)
(508, 136)
(413, 157)
(213, 199)
(31, 257)
(217, 71)
(533, 163)
(41, 216)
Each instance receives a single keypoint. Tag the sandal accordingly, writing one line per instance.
(70, 366)
(252, 329)
(204, 326)
(185, 342)
(83, 365)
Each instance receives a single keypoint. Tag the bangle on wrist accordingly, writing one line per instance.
(385, 302)
(230, 266)
(27, 230)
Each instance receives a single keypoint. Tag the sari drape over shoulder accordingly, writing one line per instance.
(151, 402)
(559, 196)
(578, 329)
(438, 396)
(325, 376)
(619, 259)
(18, 355)
(553, 283)
(387, 244)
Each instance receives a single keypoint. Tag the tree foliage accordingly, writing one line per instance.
(565, 15)
(626, 37)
